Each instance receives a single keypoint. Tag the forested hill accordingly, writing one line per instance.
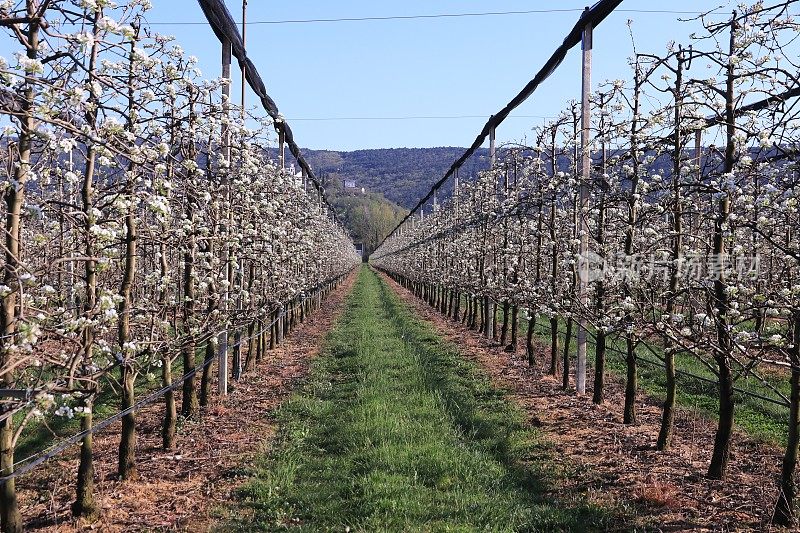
(402, 175)
(368, 216)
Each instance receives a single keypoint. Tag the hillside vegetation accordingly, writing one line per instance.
(402, 175)
(368, 216)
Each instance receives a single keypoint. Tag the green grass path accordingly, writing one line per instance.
(394, 431)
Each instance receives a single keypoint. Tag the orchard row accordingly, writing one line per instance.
(144, 228)
(689, 228)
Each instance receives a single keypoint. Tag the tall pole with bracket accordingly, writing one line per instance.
(222, 340)
(583, 208)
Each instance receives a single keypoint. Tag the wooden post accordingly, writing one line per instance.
(222, 344)
(583, 209)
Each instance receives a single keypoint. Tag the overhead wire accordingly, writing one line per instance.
(435, 16)
(411, 117)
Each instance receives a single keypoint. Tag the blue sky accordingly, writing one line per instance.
(430, 67)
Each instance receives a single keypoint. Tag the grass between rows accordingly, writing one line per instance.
(395, 431)
(762, 420)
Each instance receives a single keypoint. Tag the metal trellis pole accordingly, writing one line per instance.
(583, 209)
(222, 344)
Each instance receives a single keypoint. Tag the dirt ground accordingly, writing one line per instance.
(180, 489)
(617, 465)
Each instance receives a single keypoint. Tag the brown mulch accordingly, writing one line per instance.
(616, 465)
(181, 489)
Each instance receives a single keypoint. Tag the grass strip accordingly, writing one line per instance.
(395, 431)
(761, 420)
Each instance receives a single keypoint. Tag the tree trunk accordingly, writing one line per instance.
(504, 329)
(631, 370)
(279, 326)
(512, 347)
(273, 328)
(599, 367)
(127, 443)
(600, 293)
(565, 368)
(260, 341)
(719, 459)
(473, 313)
(126, 460)
(170, 410)
(668, 411)
(722, 441)
(481, 303)
(252, 346)
(451, 304)
(205, 380)
(10, 519)
(264, 342)
(189, 402)
(631, 381)
(494, 320)
(529, 342)
(554, 346)
(784, 510)
(85, 505)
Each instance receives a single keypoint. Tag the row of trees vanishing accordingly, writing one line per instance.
(142, 226)
(692, 218)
